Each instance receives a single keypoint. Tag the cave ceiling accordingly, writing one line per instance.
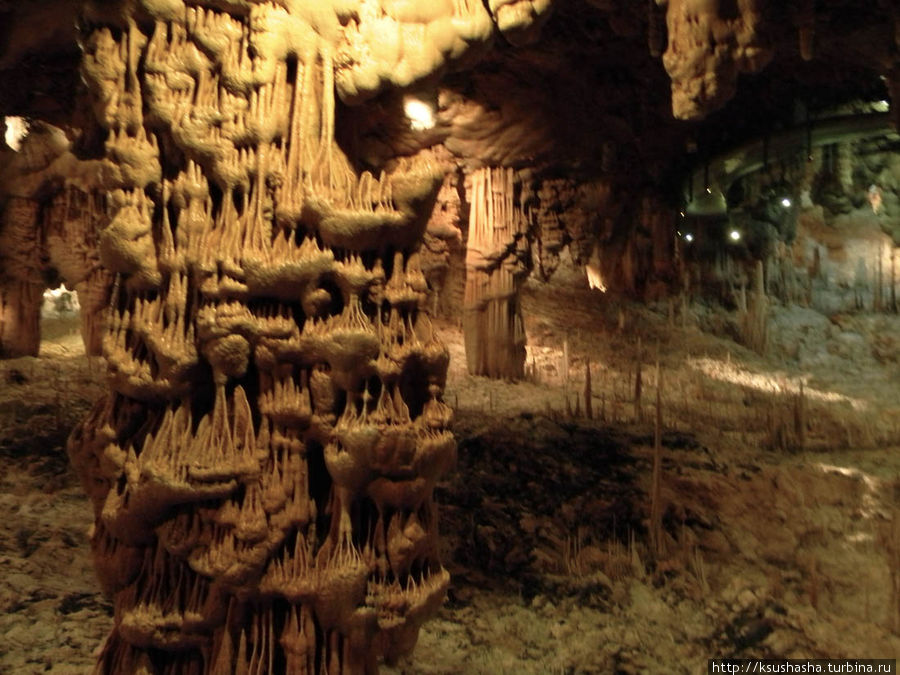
(584, 93)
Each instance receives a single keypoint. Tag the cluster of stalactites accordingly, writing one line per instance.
(262, 472)
(496, 265)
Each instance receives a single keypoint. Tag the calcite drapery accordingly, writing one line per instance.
(262, 471)
(495, 269)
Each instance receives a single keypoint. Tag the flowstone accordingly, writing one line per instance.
(262, 471)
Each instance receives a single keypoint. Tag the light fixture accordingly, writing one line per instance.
(786, 202)
(689, 237)
(16, 131)
(419, 112)
(734, 235)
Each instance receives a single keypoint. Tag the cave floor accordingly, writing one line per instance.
(779, 526)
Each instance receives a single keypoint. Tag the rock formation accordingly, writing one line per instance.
(710, 44)
(249, 220)
(262, 471)
(495, 269)
(47, 238)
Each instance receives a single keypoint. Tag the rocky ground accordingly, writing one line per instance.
(778, 530)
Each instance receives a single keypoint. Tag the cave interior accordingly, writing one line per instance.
(412, 336)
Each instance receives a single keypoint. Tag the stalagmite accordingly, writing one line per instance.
(638, 385)
(588, 402)
(656, 530)
(754, 315)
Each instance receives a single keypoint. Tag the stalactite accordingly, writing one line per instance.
(893, 280)
(708, 48)
(656, 525)
(638, 384)
(805, 19)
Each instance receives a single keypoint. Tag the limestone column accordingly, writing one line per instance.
(495, 269)
(262, 470)
(20, 318)
(21, 283)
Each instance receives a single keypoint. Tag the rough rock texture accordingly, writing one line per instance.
(262, 472)
(710, 44)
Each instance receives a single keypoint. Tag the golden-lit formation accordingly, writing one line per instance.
(263, 469)
(708, 49)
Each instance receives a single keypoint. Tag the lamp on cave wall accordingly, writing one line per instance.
(419, 112)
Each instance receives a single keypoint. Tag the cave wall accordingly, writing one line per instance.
(823, 224)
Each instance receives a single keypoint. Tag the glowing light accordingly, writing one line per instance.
(881, 106)
(420, 113)
(595, 279)
(16, 131)
(734, 235)
(689, 237)
(786, 202)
